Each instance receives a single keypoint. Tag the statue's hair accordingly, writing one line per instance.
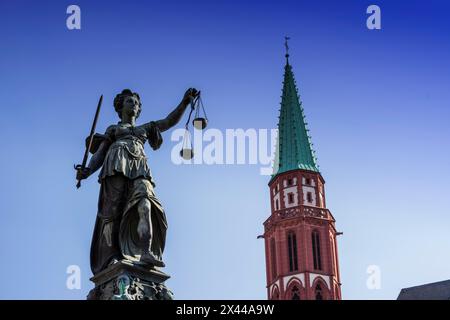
(118, 101)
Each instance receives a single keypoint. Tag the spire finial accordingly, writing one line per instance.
(287, 48)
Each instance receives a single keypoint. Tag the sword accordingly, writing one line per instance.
(91, 138)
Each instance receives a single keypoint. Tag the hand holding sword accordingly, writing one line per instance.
(82, 171)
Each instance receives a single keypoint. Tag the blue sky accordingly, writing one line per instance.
(377, 103)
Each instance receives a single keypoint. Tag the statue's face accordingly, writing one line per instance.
(131, 106)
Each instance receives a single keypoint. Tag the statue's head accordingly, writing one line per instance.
(127, 102)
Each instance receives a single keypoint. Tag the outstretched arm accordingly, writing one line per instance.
(174, 117)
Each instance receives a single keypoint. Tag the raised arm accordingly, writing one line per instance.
(174, 117)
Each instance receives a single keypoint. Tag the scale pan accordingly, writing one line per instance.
(186, 153)
(200, 123)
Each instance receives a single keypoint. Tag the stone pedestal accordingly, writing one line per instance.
(126, 281)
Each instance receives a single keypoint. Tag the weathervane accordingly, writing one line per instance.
(286, 46)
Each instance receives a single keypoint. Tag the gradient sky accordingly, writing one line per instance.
(377, 104)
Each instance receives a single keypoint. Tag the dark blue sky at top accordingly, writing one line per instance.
(377, 103)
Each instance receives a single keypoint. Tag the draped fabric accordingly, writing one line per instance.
(126, 153)
(125, 181)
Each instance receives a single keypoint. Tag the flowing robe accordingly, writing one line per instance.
(125, 180)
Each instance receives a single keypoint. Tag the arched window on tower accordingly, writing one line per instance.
(318, 293)
(274, 258)
(292, 251)
(295, 293)
(316, 250)
(275, 294)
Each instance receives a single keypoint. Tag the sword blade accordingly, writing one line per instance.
(91, 137)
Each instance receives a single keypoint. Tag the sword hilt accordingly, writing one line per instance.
(78, 167)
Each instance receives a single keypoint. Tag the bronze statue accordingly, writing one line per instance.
(131, 224)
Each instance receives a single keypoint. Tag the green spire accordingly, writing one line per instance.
(294, 148)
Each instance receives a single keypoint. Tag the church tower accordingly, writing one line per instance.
(300, 235)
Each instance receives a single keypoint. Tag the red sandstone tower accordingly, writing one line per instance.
(300, 235)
